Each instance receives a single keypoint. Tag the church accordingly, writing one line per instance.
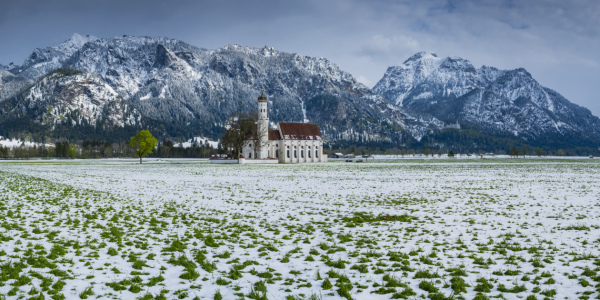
(289, 143)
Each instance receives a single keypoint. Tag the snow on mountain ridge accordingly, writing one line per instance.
(500, 100)
(75, 99)
(75, 43)
(188, 87)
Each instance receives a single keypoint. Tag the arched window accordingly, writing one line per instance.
(276, 153)
(295, 153)
(302, 153)
(288, 154)
(308, 154)
(316, 153)
(250, 155)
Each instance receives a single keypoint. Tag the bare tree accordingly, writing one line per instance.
(239, 127)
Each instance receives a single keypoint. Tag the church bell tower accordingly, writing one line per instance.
(263, 125)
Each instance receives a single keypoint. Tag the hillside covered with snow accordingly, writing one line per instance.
(115, 86)
(509, 102)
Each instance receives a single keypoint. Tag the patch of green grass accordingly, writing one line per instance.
(428, 286)
(483, 285)
(425, 274)
(458, 285)
(515, 289)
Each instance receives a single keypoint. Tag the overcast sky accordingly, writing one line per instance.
(557, 41)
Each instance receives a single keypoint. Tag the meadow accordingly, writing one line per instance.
(401, 229)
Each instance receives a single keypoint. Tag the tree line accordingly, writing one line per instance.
(523, 150)
(242, 128)
(102, 149)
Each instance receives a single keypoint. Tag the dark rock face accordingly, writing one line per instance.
(164, 57)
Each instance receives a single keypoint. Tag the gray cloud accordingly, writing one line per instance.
(557, 41)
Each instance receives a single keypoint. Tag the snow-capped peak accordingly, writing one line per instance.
(75, 43)
(423, 55)
(79, 40)
(453, 90)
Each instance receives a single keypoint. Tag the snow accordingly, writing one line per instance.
(425, 95)
(493, 107)
(127, 64)
(163, 92)
(91, 96)
(481, 216)
(76, 42)
(200, 141)
(304, 118)
(14, 143)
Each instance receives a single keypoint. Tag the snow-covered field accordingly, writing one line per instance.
(114, 229)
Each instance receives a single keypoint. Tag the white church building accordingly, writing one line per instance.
(290, 142)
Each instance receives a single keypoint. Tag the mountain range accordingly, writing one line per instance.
(500, 102)
(108, 88)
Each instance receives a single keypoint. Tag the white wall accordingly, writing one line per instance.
(302, 147)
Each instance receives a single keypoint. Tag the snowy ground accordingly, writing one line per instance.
(16, 143)
(200, 141)
(114, 229)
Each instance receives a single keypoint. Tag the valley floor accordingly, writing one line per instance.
(114, 229)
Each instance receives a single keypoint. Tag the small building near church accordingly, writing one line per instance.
(337, 155)
(290, 142)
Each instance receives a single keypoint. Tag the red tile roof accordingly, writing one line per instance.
(274, 135)
(300, 131)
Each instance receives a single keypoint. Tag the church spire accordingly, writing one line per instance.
(263, 124)
(262, 97)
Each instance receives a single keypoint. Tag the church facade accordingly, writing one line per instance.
(290, 142)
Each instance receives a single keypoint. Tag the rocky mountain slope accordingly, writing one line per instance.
(496, 101)
(69, 98)
(11, 84)
(177, 90)
(191, 91)
(73, 97)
